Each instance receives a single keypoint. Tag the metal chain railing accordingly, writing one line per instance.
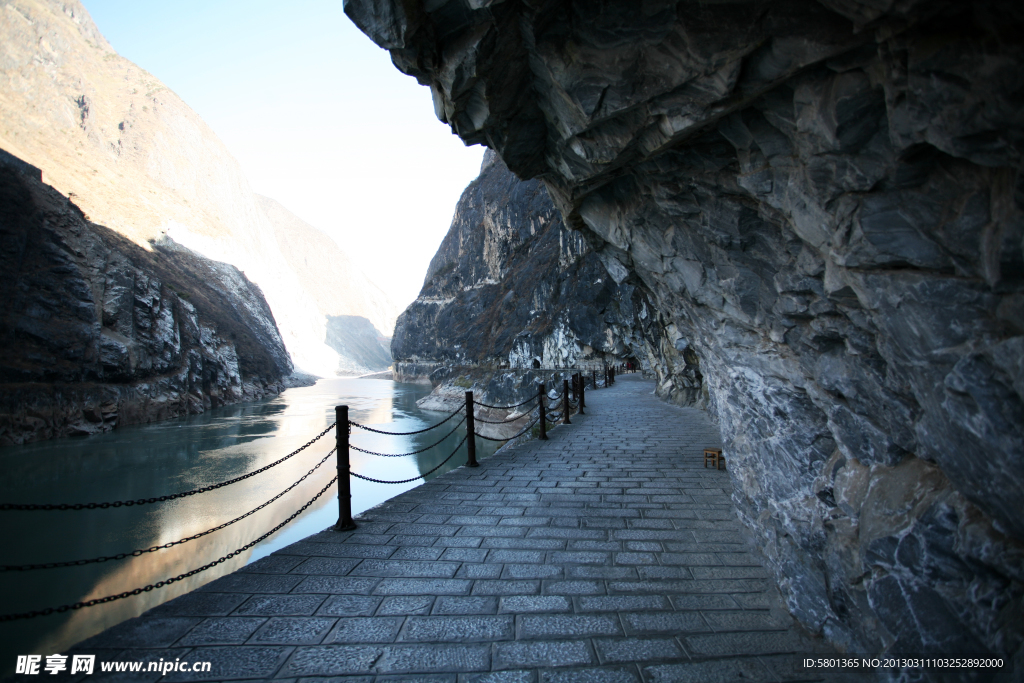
(402, 455)
(418, 431)
(165, 582)
(515, 436)
(152, 549)
(160, 499)
(406, 481)
(485, 405)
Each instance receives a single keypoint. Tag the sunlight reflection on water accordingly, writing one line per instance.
(142, 461)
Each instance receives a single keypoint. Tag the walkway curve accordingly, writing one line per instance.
(608, 553)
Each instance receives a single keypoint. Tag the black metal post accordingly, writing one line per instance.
(565, 402)
(583, 392)
(541, 397)
(595, 378)
(345, 522)
(470, 434)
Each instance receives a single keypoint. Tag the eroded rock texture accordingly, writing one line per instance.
(825, 200)
(99, 332)
(511, 287)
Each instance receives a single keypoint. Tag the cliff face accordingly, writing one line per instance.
(99, 332)
(138, 160)
(510, 287)
(825, 202)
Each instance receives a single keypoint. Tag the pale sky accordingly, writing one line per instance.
(316, 114)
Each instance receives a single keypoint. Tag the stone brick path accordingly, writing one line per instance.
(608, 553)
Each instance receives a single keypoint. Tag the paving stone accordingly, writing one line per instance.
(760, 620)
(236, 661)
(590, 675)
(406, 568)
(348, 606)
(463, 554)
(423, 587)
(280, 605)
(542, 654)
(499, 677)
(345, 585)
(365, 630)
(458, 629)
(222, 631)
(404, 605)
(621, 603)
(664, 622)
(574, 588)
(447, 605)
(506, 587)
(519, 556)
(535, 603)
(479, 571)
(272, 564)
(331, 660)
(434, 657)
(731, 644)
(717, 671)
(568, 626)
(637, 649)
(524, 543)
(326, 565)
(531, 571)
(292, 631)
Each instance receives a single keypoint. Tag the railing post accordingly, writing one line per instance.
(345, 522)
(565, 402)
(595, 378)
(543, 394)
(470, 434)
(583, 392)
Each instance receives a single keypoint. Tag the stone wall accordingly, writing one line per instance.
(824, 202)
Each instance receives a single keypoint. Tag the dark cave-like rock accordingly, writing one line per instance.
(824, 203)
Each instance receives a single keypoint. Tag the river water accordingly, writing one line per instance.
(142, 461)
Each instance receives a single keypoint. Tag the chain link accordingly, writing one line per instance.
(419, 431)
(402, 455)
(160, 499)
(515, 436)
(532, 398)
(406, 481)
(165, 582)
(137, 553)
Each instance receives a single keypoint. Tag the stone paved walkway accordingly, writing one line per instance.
(608, 553)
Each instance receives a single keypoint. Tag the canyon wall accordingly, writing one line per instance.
(824, 202)
(510, 287)
(98, 332)
(136, 159)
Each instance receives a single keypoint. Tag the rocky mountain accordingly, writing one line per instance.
(510, 287)
(138, 160)
(97, 331)
(825, 202)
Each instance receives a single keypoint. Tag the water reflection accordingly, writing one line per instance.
(152, 460)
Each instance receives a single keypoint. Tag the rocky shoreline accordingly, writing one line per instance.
(100, 332)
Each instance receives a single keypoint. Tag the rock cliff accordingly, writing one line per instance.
(510, 287)
(98, 331)
(824, 201)
(139, 161)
